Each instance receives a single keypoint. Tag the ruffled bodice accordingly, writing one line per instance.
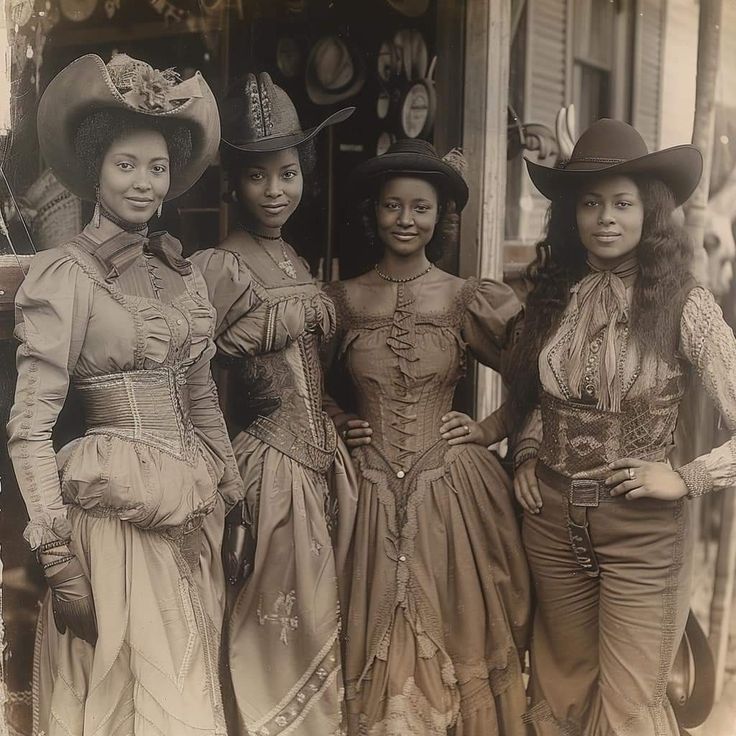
(111, 320)
(272, 325)
(406, 365)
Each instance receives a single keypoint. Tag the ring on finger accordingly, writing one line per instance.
(632, 474)
(466, 428)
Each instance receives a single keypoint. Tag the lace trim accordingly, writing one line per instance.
(696, 477)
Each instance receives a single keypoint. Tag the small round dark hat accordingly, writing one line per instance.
(614, 148)
(413, 156)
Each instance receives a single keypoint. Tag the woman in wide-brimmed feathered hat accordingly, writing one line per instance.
(126, 520)
(287, 543)
(615, 327)
(439, 595)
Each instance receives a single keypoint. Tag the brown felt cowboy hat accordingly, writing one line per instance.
(612, 147)
(261, 117)
(88, 85)
(413, 156)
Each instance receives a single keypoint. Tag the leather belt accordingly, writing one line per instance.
(581, 492)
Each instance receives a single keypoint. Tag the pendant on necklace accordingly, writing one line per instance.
(288, 268)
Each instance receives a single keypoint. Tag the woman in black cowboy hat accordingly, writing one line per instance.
(614, 328)
(287, 541)
(439, 596)
(126, 520)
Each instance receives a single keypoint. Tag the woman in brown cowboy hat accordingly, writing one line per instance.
(614, 328)
(126, 520)
(439, 602)
(286, 542)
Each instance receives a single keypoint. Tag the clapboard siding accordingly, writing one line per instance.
(650, 20)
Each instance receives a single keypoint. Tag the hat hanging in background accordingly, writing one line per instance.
(412, 51)
(388, 61)
(410, 8)
(77, 10)
(334, 71)
(288, 57)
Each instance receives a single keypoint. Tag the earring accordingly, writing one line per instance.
(97, 214)
(158, 211)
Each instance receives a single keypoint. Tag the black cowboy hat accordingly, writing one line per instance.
(612, 147)
(412, 156)
(263, 118)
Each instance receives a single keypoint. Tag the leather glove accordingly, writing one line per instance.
(239, 549)
(71, 593)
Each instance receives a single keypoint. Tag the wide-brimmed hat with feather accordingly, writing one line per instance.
(133, 86)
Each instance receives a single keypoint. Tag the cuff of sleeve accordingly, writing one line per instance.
(526, 451)
(47, 528)
(697, 479)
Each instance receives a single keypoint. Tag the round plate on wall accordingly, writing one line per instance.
(417, 109)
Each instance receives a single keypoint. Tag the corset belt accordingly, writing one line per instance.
(276, 435)
(149, 406)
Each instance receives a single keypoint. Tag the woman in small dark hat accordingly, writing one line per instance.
(127, 520)
(615, 327)
(439, 594)
(288, 540)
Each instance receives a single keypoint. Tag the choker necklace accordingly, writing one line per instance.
(259, 235)
(404, 279)
(131, 227)
(286, 265)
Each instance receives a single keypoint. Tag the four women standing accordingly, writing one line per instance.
(418, 558)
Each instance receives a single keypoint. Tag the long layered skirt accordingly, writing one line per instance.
(154, 669)
(439, 604)
(284, 626)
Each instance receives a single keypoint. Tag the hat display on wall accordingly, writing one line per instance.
(410, 8)
(77, 10)
(289, 57)
(126, 84)
(412, 51)
(613, 147)
(262, 117)
(335, 71)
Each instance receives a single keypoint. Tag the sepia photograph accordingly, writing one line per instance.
(367, 368)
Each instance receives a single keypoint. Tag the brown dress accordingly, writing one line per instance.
(144, 491)
(439, 601)
(283, 647)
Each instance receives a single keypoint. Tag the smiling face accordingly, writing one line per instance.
(134, 175)
(269, 188)
(610, 215)
(407, 210)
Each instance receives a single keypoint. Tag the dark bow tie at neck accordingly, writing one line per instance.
(168, 249)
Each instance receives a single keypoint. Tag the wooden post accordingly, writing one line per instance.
(487, 34)
(709, 43)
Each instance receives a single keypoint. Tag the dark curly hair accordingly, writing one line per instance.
(101, 128)
(664, 254)
(446, 231)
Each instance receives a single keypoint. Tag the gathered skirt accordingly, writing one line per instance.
(283, 647)
(154, 669)
(439, 603)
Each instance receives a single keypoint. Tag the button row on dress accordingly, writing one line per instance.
(400, 474)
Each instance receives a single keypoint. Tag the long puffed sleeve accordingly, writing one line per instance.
(209, 425)
(230, 289)
(708, 343)
(52, 312)
(492, 310)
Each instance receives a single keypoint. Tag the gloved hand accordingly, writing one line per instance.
(239, 549)
(71, 593)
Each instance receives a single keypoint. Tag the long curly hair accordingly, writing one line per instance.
(664, 254)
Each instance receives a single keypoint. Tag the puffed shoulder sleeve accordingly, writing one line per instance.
(491, 312)
(708, 344)
(229, 285)
(53, 308)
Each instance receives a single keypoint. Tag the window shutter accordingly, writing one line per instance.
(650, 23)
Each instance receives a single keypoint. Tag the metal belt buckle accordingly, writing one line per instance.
(585, 492)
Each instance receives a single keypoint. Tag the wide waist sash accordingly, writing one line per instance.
(283, 439)
(148, 406)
